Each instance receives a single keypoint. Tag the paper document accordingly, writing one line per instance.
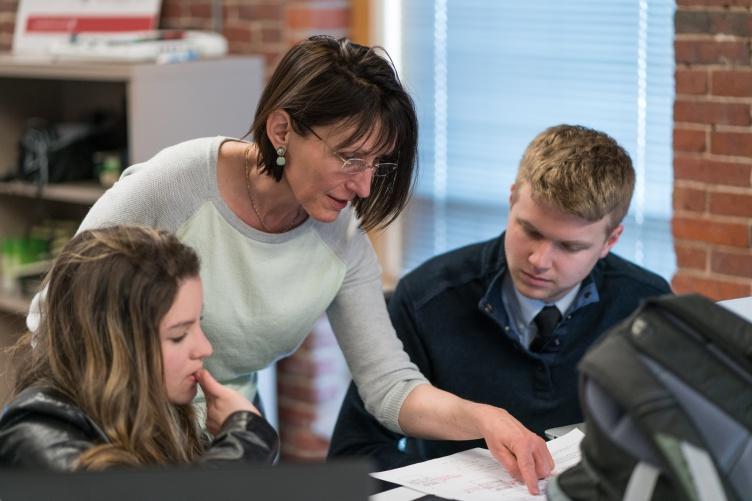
(475, 474)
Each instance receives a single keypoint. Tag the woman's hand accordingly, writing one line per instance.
(221, 401)
(429, 412)
(523, 453)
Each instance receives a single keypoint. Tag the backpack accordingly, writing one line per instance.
(667, 400)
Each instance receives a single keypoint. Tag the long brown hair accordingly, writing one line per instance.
(98, 343)
(326, 81)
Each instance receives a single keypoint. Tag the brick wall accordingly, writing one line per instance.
(310, 385)
(712, 223)
(262, 27)
(311, 382)
(7, 23)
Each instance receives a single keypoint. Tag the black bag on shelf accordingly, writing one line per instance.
(667, 399)
(64, 151)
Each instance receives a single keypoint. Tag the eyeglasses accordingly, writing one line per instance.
(356, 165)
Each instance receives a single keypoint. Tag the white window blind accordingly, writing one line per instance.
(487, 76)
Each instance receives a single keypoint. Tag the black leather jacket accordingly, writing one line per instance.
(40, 429)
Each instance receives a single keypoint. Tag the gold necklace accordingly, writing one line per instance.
(253, 202)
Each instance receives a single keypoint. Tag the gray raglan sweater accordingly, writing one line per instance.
(263, 292)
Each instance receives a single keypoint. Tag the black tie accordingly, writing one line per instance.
(545, 321)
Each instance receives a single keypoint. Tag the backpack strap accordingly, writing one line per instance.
(554, 492)
(642, 482)
(693, 467)
(703, 471)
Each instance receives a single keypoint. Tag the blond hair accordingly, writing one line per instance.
(579, 171)
(98, 343)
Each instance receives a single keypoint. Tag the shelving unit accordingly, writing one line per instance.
(84, 192)
(162, 105)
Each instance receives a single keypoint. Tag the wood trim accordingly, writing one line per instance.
(360, 21)
(387, 243)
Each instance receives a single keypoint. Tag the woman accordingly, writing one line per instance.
(275, 221)
(110, 376)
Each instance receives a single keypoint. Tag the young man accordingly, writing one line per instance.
(505, 322)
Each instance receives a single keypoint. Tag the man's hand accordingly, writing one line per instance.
(221, 401)
(523, 453)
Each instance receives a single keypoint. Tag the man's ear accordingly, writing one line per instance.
(278, 127)
(512, 194)
(612, 240)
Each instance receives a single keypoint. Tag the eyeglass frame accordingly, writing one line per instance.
(376, 168)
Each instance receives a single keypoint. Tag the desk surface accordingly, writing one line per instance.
(399, 494)
(741, 306)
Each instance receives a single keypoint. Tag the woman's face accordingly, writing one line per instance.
(314, 171)
(184, 345)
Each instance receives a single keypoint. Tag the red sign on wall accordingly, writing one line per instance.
(40, 23)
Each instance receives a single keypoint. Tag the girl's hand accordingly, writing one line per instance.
(221, 401)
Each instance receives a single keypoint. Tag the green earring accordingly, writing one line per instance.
(281, 160)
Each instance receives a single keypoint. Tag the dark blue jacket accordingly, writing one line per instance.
(450, 317)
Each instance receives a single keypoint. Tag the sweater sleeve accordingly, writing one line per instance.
(356, 432)
(382, 371)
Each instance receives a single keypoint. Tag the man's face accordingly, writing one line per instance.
(549, 251)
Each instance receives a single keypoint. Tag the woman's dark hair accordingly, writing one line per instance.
(323, 81)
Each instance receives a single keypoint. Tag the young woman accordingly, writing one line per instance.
(109, 377)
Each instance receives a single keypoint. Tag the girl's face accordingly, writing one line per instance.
(184, 345)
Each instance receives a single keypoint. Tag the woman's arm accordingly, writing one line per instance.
(396, 393)
(429, 412)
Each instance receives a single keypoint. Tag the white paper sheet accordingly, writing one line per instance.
(475, 475)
